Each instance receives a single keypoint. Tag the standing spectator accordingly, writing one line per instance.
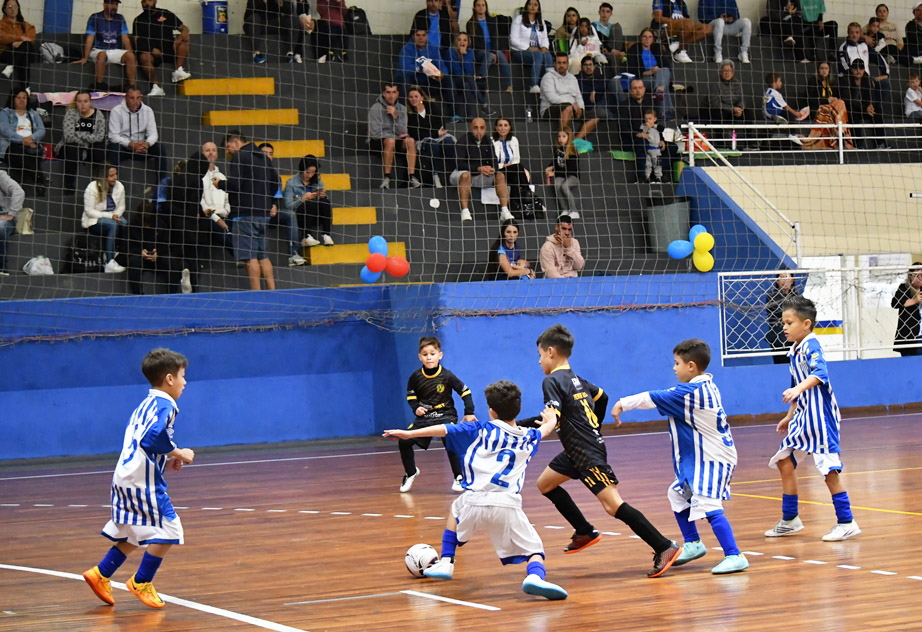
(477, 168)
(188, 228)
(509, 162)
(306, 196)
(440, 22)
(564, 172)
(215, 204)
(654, 148)
(333, 24)
(107, 42)
(260, 16)
(861, 103)
(630, 115)
(387, 124)
(11, 198)
(84, 138)
(506, 255)
(782, 289)
(150, 252)
(912, 50)
(906, 302)
(21, 134)
(561, 99)
(913, 98)
(528, 42)
(724, 18)
(463, 73)
(674, 16)
(285, 217)
(103, 212)
(485, 36)
(584, 43)
(560, 254)
(853, 48)
(426, 126)
(155, 42)
(893, 42)
(726, 104)
(648, 62)
(611, 35)
(133, 133)
(422, 63)
(17, 44)
(594, 88)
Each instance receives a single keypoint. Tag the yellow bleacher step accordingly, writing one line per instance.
(231, 86)
(343, 216)
(349, 253)
(250, 117)
(295, 148)
(332, 181)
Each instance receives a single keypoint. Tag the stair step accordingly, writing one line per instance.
(229, 86)
(350, 216)
(348, 253)
(288, 116)
(295, 148)
(332, 181)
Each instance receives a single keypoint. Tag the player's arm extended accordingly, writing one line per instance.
(641, 401)
(548, 422)
(431, 431)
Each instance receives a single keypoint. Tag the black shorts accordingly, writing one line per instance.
(554, 111)
(165, 48)
(596, 478)
(422, 422)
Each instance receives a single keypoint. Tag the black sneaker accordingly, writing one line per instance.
(664, 559)
(579, 542)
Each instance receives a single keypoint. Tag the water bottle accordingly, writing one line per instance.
(528, 114)
(733, 140)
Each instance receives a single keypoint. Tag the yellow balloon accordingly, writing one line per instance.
(704, 242)
(703, 260)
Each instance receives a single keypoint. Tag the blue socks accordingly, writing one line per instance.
(723, 531)
(789, 506)
(689, 530)
(110, 563)
(843, 507)
(147, 569)
(536, 568)
(449, 543)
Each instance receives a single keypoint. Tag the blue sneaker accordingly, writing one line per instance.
(259, 58)
(731, 564)
(443, 569)
(534, 585)
(691, 551)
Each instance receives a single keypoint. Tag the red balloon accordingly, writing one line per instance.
(376, 262)
(397, 266)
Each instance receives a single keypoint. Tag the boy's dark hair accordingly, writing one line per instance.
(771, 78)
(694, 350)
(653, 112)
(560, 53)
(158, 363)
(505, 399)
(802, 306)
(874, 20)
(605, 5)
(913, 74)
(425, 341)
(557, 337)
(234, 134)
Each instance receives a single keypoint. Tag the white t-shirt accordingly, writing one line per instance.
(23, 125)
(910, 100)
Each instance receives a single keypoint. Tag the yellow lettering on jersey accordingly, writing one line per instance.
(590, 414)
(579, 396)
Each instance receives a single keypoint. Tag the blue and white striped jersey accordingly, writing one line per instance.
(773, 103)
(814, 427)
(703, 453)
(138, 488)
(494, 456)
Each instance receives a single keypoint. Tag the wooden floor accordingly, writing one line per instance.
(313, 537)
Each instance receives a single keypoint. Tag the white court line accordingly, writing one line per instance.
(782, 557)
(469, 604)
(212, 508)
(373, 515)
(228, 614)
(915, 577)
(552, 527)
(276, 511)
(431, 517)
(814, 562)
(849, 567)
(883, 572)
(403, 516)
(309, 511)
(299, 603)
(752, 553)
(77, 505)
(610, 533)
(244, 509)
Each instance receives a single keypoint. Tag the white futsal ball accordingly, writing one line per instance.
(420, 557)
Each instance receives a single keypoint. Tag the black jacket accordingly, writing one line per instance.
(858, 97)
(908, 319)
(251, 182)
(630, 116)
(421, 21)
(472, 155)
(499, 34)
(419, 128)
(635, 60)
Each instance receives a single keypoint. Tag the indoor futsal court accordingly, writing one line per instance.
(313, 536)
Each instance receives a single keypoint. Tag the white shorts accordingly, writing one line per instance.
(681, 497)
(114, 56)
(514, 538)
(169, 533)
(478, 180)
(825, 463)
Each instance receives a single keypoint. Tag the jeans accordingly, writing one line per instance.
(289, 220)
(662, 79)
(7, 227)
(538, 61)
(107, 228)
(564, 188)
(467, 96)
(440, 156)
(485, 58)
(155, 152)
(741, 27)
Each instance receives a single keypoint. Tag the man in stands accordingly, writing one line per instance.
(560, 254)
(107, 42)
(854, 47)
(561, 97)
(477, 168)
(387, 124)
(155, 42)
(133, 133)
(724, 18)
(421, 63)
(913, 47)
(630, 118)
(440, 22)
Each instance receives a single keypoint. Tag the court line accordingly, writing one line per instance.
(814, 502)
(469, 604)
(221, 612)
(299, 603)
(775, 480)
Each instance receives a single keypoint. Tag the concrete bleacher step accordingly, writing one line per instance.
(349, 216)
(295, 148)
(348, 253)
(239, 118)
(229, 86)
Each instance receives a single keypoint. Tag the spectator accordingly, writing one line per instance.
(560, 255)
(726, 104)
(305, 196)
(786, 24)
(387, 124)
(506, 255)
(11, 198)
(564, 172)
(155, 42)
(782, 289)
(17, 44)
(561, 99)
(723, 16)
(509, 162)
(913, 98)
(773, 103)
(893, 42)
(593, 87)
(584, 43)
(647, 61)
(912, 49)
(463, 73)
(654, 146)
(477, 168)
(630, 115)
(861, 103)
(189, 229)
(611, 35)
(84, 138)
(21, 134)
(854, 48)
(107, 42)
(103, 212)
(333, 25)
(260, 16)
(426, 126)
(822, 89)
(302, 9)
(817, 30)
(906, 302)
(528, 42)
(422, 63)
(285, 217)
(488, 44)
(674, 17)
(133, 133)
(215, 204)
(440, 22)
(565, 30)
(149, 252)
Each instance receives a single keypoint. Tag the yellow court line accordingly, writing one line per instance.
(846, 473)
(813, 502)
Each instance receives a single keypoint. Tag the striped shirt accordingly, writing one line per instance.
(138, 488)
(814, 427)
(773, 104)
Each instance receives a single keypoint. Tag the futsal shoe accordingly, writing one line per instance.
(100, 585)
(456, 485)
(443, 569)
(580, 542)
(786, 527)
(145, 592)
(407, 483)
(731, 564)
(691, 551)
(534, 585)
(664, 559)
(842, 532)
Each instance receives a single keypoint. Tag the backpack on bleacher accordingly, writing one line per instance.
(83, 253)
(357, 21)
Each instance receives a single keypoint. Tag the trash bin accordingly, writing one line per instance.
(667, 220)
(214, 16)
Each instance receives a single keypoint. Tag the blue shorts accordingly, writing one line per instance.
(250, 238)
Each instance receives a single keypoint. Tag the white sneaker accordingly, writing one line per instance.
(310, 242)
(718, 58)
(156, 91)
(504, 215)
(443, 569)
(7, 72)
(785, 527)
(385, 183)
(456, 485)
(466, 215)
(842, 532)
(794, 138)
(185, 283)
(407, 483)
(917, 60)
(180, 74)
(744, 58)
(326, 240)
(113, 267)
(298, 59)
(414, 182)
(436, 181)
(573, 214)
(673, 47)
(322, 59)
(296, 260)
(535, 90)
(682, 57)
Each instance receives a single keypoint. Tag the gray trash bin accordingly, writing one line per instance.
(667, 220)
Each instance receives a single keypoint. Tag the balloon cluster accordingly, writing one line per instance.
(699, 245)
(378, 262)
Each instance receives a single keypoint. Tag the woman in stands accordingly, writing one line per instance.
(17, 45)
(426, 125)
(529, 44)
(506, 254)
(464, 77)
(509, 161)
(782, 289)
(906, 302)
(486, 41)
(84, 131)
(21, 134)
(104, 210)
(565, 31)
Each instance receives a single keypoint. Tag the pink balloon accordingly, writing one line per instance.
(397, 266)
(376, 262)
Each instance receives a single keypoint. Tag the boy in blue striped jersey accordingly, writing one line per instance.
(811, 425)
(703, 453)
(142, 513)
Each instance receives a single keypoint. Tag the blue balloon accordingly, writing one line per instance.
(377, 244)
(679, 249)
(696, 230)
(368, 276)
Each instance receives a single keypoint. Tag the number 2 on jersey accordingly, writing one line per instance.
(498, 477)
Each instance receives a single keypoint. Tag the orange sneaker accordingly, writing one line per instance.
(145, 592)
(100, 585)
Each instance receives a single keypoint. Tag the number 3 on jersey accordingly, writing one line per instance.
(590, 414)
(497, 478)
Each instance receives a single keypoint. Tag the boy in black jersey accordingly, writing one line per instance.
(430, 398)
(584, 456)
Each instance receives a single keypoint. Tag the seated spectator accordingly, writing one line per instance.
(387, 124)
(861, 103)
(854, 47)
(488, 44)
(594, 88)
(906, 302)
(477, 168)
(816, 29)
(773, 104)
(561, 99)
(822, 88)
(565, 30)
(440, 21)
(18, 48)
(724, 18)
(421, 63)
(913, 98)
(786, 25)
(84, 139)
(509, 163)
(468, 94)
(912, 49)
(890, 35)
(21, 134)
(647, 61)
(564, 172)
(332, 27)
(287, 219)
(726, 103)
(306, 21)
(560, 254)
(215, 204)
(133, 133)
(435, 147)
(528, 42)
(262, 15)
(585, 42)
(11, 198)
(107, 42)
(306, 197)
(611, 35)
(674, 17)
(155, 42)
(103, 212)
(506, 254)
(149, 251)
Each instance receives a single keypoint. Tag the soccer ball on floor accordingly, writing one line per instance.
(420, 557)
